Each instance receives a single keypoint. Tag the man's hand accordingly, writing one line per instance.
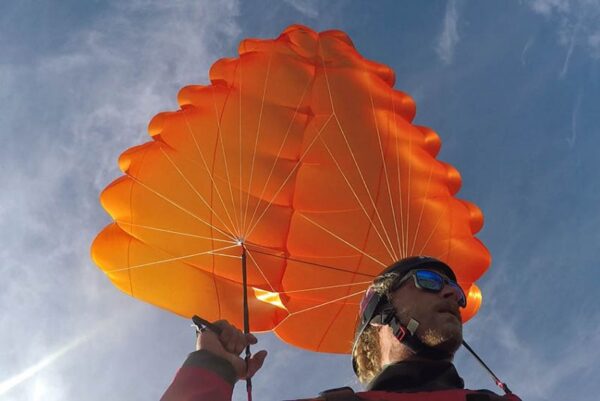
(229, 345)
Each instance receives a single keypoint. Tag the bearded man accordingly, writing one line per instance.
(408, 330)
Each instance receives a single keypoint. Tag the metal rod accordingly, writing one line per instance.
(246, 318)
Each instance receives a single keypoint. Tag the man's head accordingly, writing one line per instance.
(413, 288)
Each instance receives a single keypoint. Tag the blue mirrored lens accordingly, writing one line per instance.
(434, 281)
(429, 280)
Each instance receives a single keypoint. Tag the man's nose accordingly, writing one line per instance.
(449, 291)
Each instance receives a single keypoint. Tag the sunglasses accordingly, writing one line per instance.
(432, 281)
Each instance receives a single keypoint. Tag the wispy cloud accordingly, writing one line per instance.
(8, 384)
(574, 115)
(309, 8)
(526, 48)
(547, 7)
(448, 38)
(571, 40)
(578, 25)
(544, 374)
(71, 112)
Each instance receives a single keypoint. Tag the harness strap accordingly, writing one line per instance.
(347, 394)
(339, 394)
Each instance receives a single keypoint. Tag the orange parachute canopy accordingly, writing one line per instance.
(302, 153)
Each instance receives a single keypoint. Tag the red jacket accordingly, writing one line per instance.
(207, 377)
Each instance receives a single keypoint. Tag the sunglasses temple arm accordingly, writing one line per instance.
(499, 383)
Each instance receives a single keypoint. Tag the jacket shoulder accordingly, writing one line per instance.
(347, 394)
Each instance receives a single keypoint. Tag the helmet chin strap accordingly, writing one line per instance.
(407, 336)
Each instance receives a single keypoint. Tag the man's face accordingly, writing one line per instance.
(440, 324)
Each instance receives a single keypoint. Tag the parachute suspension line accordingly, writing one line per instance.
(225, 255)
(164, 230)
(195, 190)
(240, 137)
(180, 207)
(343, 240)
(408, 194)
(260, 270)
(390, 251)
(344, 136)
(422, 209)
(328, 287)
(371, 276)
(498, 382)
(260, 114)
(403, 253)
(433, 230)
(220, 139)
(310, 145)
(385, 171)
(174, 259)
(333, 301)
(287, 132)
(246, 319)
(209, 173)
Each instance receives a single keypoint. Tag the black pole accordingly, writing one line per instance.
(246, 319)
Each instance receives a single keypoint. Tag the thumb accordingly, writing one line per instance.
(255, 363)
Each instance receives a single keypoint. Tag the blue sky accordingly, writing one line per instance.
(511, 87)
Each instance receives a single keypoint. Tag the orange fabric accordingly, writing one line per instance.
(301, 150)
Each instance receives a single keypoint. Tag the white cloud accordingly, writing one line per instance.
(572, 37)
(594, 42)
(448, 38)
(547, 7)
(526, 49)
(574, 116)
(578, 25)
(46, 361)
(310, 8)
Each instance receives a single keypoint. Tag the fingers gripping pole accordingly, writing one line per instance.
(246, 319)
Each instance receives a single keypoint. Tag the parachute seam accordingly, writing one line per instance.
(366, 187)
(208, 170)
(422, 210)
(277, 157)
(130, 239)
(262, 104)
(378, 134)
(218, 118)
(403, 250)
(361, 257)
(209, 205)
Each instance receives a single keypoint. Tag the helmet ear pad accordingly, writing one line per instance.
(387, 317)
(384, 313)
